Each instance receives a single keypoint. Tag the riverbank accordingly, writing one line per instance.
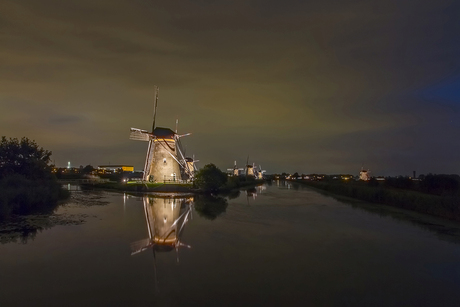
(445, 206)
(142, 187)
(168, 187)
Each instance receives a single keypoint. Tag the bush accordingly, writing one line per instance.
(440, 184)
(26, 182)
(210, 178)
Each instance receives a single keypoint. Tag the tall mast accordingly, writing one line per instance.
(157, 90)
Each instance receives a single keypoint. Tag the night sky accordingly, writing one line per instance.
(307, 86)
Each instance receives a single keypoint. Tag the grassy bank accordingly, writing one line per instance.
(446, 206)
(141, 187)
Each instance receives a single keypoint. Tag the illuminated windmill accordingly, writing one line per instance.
(191, 167)
(364, 175)
(249, 168)
(165, 160)
(260, 173)
(235, 171)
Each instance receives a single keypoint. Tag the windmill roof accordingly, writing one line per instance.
(163, 132)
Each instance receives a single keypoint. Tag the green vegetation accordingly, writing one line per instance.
(438, 196)
(26, 183)
(210, 179)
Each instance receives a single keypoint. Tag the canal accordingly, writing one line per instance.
(277, 245)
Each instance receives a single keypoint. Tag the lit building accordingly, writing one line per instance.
(110, 169)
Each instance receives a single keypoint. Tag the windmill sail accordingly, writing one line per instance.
(148, 160)
(139, 135)
(157, 91)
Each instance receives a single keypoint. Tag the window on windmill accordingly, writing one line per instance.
(164, 160)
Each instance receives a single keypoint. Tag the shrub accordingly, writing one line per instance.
(210, 178)
(26, 182)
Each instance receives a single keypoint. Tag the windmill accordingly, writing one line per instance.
(364, 174)
(260, 173)
(191, 167)
(235, 171)
(249, 168)
(165, 160)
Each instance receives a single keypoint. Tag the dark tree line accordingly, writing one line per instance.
(24, 157)
(26, 182)
(429, 184)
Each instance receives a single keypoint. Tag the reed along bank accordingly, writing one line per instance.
(436, 196)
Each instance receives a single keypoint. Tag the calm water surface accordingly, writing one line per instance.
(275, 246)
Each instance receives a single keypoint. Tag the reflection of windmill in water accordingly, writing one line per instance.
(255, 191)
(165, 218)
(165, 160)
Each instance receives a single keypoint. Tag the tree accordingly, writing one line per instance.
(26, 182)
(210, 178)
(88, 169)
(23, 157)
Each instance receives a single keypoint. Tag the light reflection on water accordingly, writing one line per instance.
(275, 245)
(165, 218)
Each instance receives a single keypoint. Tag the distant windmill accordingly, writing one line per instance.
(165, 159)
(191, 167)
(235, 171)
(364, 174)
(249, 168)
(260, 173)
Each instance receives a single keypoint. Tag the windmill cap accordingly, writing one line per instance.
(163, 133)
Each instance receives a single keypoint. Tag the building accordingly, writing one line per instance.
(112, 169)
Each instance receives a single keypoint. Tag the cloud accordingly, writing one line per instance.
(287, 81)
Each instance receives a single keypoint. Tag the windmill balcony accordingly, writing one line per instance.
(173, 179)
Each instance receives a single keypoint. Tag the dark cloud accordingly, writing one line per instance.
(320, 86)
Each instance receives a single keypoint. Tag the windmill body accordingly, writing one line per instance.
(164, 163)
(249, 170)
